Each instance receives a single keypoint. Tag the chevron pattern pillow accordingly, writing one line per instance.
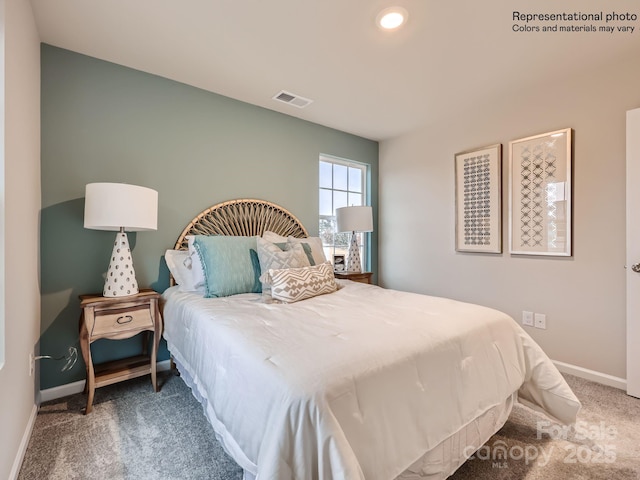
(294, 284)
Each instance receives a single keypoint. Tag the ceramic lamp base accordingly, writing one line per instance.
(121, 277)
(354, 264)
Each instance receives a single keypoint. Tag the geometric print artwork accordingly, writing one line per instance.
(477, 200)
(540, 213)
(537, 170)
(478, 180)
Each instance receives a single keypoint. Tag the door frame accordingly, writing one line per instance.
(633, 251)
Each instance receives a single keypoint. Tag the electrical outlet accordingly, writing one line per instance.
(527, 318)
(32, 364)
(540, 320)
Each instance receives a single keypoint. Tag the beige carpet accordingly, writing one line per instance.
(605, 443)
(134, 433)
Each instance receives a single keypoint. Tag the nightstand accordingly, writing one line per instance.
(117, 319)
(362, 277)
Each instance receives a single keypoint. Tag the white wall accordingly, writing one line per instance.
(584, 296)
(2, 202)
(21, 221)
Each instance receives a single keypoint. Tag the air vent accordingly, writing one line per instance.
(292, 99)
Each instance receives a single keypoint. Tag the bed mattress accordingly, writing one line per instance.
(360, 383)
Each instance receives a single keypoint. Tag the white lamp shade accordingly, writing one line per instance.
(354, 219)
(111, 206)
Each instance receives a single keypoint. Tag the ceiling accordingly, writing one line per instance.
(450, 56)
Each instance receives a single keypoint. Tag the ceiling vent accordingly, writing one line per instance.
(292, 99)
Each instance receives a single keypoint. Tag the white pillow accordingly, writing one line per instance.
(194, 281)
(295, 284)
(196, 263)
(317, 252)
(272, 256)
(273, 237)
(180, 265)
(175, 261)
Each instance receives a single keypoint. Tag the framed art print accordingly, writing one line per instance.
(540, 194)
(478, 200)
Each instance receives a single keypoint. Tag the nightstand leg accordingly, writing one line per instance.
(157, 321)
(154, 355)
(92, 389)
(90, 384)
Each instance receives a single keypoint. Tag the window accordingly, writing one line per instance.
(342, 184)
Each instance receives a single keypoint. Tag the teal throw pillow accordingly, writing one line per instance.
(227, 264)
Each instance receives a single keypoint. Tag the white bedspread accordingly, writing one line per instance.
(356, 384)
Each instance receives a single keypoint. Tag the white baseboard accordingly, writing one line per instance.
(24, 443)
(598, 377)
(78, 387)
(61, 391)
(592, 375)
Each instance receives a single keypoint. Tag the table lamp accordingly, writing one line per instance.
(120, 207)
(354, 219)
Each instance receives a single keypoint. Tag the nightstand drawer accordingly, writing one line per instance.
(117, 322)
(361, 277)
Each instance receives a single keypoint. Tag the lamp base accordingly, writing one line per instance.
(354, 264)
(121, 277)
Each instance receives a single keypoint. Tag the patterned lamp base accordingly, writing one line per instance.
(121, 278)
(354, 263)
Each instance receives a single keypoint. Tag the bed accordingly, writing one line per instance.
(359, 383)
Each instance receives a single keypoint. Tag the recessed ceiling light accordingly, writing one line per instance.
(392, 18)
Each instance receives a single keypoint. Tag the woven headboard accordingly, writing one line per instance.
(243, 217)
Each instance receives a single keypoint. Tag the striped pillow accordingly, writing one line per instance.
(294, 284)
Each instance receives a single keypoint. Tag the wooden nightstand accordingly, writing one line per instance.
(362, 277)
(116, 319)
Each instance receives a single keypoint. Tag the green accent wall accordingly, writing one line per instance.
(103, 122)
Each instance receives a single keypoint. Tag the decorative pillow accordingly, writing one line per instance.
(312, 245)
(273, 237)
(227, 265)
(195, 265)
(317, 251)
(305, 246)
(295, 284)
(271, 256)
(179, 263)
(175, 261)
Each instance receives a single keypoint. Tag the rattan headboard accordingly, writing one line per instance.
(243, 217)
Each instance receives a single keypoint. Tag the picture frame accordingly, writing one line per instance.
(540, 194)
(339, 263)
(478, 187)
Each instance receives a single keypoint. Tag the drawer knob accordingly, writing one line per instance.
(124, 319)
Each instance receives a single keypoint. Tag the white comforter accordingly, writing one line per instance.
(356, 384)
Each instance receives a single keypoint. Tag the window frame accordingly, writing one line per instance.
(343, 244)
